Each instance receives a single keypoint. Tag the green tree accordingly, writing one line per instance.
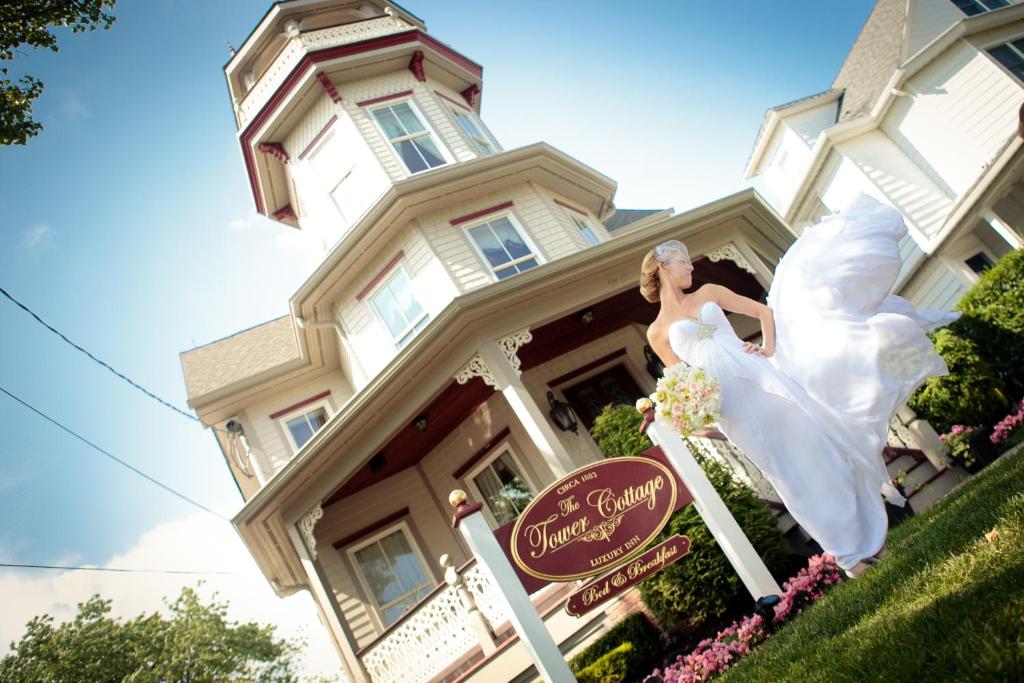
(32, 23)
(195, 643)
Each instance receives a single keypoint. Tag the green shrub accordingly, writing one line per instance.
(994, 320)
(970, 394)
(612, 667)
(635, 630)
(703, 584)
(617, 431)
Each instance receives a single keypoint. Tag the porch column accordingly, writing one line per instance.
(1003, 229)
(534, 419)
(324, 597)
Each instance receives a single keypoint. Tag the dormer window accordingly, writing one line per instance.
(395, 303)
(302, 420)
(972, 7)
(504, 246)
(412, 140)
(468, 122)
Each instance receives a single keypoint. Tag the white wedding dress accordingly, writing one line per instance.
(814, 418)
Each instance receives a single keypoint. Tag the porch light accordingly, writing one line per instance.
(655, 368)
(561, 415)
(420, 423)
(587, 317)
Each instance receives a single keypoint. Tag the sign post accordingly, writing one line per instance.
(723, 526)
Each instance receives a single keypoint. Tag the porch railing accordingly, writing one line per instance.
(439, 631)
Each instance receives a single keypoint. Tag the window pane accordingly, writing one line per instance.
(513, 484)
(406, 567)
(401, 289)
(411, 156)
(429, 151)
(408, 118)
(318, 418)
(390, 312)
(526, 265)
(510, 239)
(1009, 58)
(300, 429)
(489, 244)
(995, 4)
(507, 272)
(389, 123)
(377, 572)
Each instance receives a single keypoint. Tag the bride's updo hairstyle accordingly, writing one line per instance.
(666, 252)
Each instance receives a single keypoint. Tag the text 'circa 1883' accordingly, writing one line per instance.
(601, 590)
(594, 518)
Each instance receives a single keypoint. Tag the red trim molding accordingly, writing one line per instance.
(370, 528)
(471, 93)
(464, 511)
(477, 214)
(306, 402)
(460, 105)
(319, 136)
(380, 276)
(286, 213)
(569, 206)
(416, 66)
(324, 55)
(478, 456)
(562, 379)
(328, 86)
(384, 98)
(276, 150)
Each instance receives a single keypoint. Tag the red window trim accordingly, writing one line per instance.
(461, 106)
(570, 207)
(479, 214)
(371, 528)
(384, 98)
(319, 136)
(300, 404)
(479, 455)
(380, 276)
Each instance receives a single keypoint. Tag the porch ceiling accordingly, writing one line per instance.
(455, 403)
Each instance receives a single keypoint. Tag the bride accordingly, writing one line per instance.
(810, 407)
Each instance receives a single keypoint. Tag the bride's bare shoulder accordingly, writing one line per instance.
(656, 330)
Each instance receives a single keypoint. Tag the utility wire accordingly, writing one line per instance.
(113, 457)
(106, 569)
(130, 381)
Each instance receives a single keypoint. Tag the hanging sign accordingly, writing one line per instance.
(601, 590)
(594, 518)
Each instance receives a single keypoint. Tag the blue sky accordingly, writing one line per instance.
(128, 223)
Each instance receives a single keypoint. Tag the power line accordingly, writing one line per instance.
(16, 565)
(130, 381)
(113, 457)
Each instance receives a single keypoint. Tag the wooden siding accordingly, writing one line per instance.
(934, 286)
(808, 124)
(926, 20)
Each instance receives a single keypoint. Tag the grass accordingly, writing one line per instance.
(945, 604)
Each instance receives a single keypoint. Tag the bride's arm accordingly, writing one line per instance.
(658, 340)
(731, 301)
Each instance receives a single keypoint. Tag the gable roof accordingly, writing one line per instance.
(623, 217)
(875, 55)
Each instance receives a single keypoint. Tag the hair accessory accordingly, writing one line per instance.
(672, 250)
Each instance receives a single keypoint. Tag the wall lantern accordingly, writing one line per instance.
(587, 317)
(420, 423)
(655, 368)
(561, 415)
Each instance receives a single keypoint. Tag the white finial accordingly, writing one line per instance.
(291, 28)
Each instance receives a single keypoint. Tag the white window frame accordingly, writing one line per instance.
(428, 127)
(582, 222)
(1008, 42)
(534, 251)
(377, 610)
(455, 110)
(503, 447)
(308, 408)
(984, 7)
(375, 290)
(329, 186)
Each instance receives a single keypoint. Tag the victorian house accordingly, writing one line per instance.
(475, 309)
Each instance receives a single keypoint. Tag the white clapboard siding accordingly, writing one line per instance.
(808, 124)
(428, 521)
(934, 286)
(926, 19)
(960, 111)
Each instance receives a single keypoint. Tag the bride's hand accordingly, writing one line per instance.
(751, 347)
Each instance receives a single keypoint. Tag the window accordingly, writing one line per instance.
(979, 263)
(972, 7)
(505, 250)
(588, 232)
(503, 487)
(1011, 56)
(303, 427)
(393, 573)
(396, 305)
(410, 138)
(468, 122)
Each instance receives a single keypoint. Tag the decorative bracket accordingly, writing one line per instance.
(511, 344)
(470, 94)
(306, 525)
(328, 86)
(416, 66)
(476, 367)
(730, 252)
(274, 149)
(286, 214)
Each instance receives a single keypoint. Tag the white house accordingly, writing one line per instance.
(465, 290)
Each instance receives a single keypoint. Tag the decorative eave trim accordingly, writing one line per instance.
(470, 94)
(476, 367)
(460, 105)
(286, 214)
(306, 526)
(481, 213)
(328, 84)
(570, 207)
(416, 66)
(380, 276)
(511, 344)
(384, 98)
(276, 150)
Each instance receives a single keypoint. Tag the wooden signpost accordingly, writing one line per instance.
(597, 518)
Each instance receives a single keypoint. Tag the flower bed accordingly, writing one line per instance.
(715, 655)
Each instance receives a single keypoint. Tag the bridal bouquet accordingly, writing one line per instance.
(687, 398)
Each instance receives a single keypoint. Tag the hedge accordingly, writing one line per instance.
(637, 632)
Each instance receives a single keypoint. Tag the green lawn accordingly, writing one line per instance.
(944, 605)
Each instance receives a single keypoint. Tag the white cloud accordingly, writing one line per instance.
(72, 108)
(36, 237)
(193, 543)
